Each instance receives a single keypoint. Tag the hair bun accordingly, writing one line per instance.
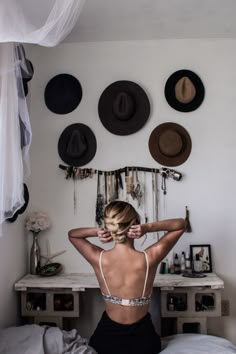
(119, 238)
(118, 217)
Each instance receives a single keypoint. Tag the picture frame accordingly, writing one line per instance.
(205, 256)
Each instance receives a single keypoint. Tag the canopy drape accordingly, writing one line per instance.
(47, 23)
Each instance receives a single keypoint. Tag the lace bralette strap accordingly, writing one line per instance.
(100, 265)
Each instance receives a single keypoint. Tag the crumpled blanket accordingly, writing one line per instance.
(34, 339)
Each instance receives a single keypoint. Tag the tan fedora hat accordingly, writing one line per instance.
(184, 91)
(170, 144)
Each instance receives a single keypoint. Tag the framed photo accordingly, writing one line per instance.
(204, 252)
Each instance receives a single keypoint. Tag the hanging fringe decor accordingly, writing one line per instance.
(89, 172)
(110, 184)
(188, 226)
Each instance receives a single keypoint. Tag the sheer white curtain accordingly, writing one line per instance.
(43, 22)
(11, 166)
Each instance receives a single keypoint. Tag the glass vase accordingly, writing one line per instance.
(34, 255)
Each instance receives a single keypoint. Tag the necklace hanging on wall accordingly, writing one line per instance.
(156, 198)
(100, 204)
(138, 191)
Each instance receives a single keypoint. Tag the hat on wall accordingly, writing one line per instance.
(22, 209)
(184, 91)
(77, 145)
(63, 94)
(170, 144)
(123, 107)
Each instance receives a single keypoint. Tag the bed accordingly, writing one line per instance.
(34, 339)
(196, 344)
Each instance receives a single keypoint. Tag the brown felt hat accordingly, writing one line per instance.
(170, 144)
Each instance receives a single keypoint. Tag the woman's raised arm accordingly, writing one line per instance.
(174, 229)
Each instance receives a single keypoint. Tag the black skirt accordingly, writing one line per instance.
(115, 338)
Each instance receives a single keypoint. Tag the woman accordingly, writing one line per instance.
(126, 277)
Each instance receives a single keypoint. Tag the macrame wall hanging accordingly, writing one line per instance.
(128, 183)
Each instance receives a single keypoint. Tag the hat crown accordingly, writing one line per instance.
(77, 144)
(185, 90)
(123, 106)
(170, 143)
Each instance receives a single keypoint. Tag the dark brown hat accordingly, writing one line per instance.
(77, 145)
(184, 91)
(63, 94)
(123, 107)
(170, 144)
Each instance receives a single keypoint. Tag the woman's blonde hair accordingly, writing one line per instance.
(118, 217)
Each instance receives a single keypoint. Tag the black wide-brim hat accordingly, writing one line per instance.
(22, 209)
(170, 91)
(123, 107)
(63, 94)
(77, 145)
(170, 144)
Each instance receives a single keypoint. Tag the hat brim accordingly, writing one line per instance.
(170, 91)
(63, 94)
(64, 139)
(138, 119)
(23, 208)
(157, 153)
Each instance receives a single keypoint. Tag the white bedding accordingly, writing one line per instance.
(196, 344)
(34, 339)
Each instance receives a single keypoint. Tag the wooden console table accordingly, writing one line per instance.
(50, 299)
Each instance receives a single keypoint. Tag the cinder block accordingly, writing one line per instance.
(50, 303)
(192, 325)
(191, 302)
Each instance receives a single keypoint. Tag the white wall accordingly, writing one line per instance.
(13, 265)
(208, 186)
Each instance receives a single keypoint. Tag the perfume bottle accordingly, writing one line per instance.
(197, 264)
(188, 268)
(176, 264)
(182, 263)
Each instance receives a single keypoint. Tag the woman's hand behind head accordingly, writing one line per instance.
(104, 236)
(136, 231)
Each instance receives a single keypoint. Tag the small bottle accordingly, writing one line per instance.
(172, 268)
(182, 263)
(171, 306)
(176, 264)
(197, 264)
(188, 268)
(167, 268)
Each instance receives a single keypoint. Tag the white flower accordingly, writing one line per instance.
(37, 221)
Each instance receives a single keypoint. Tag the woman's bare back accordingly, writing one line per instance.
(124, 270)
